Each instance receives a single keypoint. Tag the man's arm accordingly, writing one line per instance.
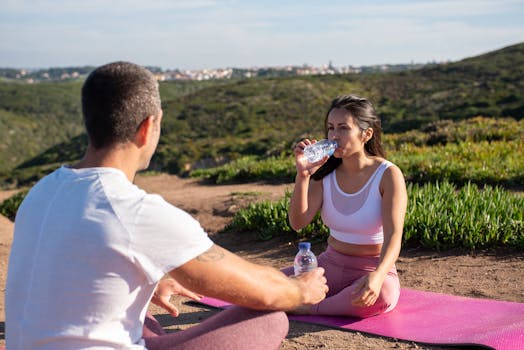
(221, 274)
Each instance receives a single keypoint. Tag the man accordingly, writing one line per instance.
(90, 247)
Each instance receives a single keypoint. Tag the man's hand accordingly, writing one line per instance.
(314, 287)
(166, 288)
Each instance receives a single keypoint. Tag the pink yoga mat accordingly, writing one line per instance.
(435, 318)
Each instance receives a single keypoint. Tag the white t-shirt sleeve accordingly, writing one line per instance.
(165, 237)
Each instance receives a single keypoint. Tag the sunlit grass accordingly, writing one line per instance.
(439, 216)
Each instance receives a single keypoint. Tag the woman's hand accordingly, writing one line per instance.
(367, 290)
(166, 288)
(304, 167)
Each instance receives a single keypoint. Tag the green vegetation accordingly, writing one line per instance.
(445, 164)
(440, 216)
(460, 167)
(250, 169)
(489, 85)
(475, 129)
(9, 207)
(214, 122)
(268, 219)
(463, 154)
(495, 163)
(36, 117)
(41, 126)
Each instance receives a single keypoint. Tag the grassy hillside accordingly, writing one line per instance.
(489, 84)
(41, 125)
(265, 116)
(36, 117)
(211, 123)
(224, 122)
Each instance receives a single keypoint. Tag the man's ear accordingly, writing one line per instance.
(144, 131)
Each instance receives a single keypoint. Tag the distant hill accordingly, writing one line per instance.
(490, 84)
(265, 116)
(207, 123)
(36, 117)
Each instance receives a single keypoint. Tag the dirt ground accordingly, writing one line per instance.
(487, 274)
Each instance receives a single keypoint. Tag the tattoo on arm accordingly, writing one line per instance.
(212, 254)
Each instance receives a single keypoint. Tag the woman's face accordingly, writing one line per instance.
(341, 127)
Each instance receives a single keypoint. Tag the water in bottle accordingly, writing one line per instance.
(305, 260)
(319, 150)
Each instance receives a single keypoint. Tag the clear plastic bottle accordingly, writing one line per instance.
(305, 260)
(319, 150)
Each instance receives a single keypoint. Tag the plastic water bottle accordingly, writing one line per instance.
(319, 150)
(305, 260)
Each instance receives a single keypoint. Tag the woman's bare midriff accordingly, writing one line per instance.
(354, 249)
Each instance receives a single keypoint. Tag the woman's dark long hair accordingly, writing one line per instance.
(364, 114)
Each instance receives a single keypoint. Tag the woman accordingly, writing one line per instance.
(362, 199)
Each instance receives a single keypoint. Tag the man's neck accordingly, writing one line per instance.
(120, 157)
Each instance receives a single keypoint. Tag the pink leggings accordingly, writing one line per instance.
(233, 328)
(342, 271)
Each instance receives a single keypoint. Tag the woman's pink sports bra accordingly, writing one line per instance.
(354, 217)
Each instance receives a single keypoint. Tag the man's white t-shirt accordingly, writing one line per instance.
(89, 248)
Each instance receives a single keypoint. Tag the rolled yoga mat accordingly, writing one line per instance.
(435, 318)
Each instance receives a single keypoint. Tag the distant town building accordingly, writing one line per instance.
(61, 74)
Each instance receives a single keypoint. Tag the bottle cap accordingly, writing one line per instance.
(304, 245)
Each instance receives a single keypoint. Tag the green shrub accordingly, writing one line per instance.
(493, 163)
(442, 132)
(251, 169)
(269, 219)
(440, 216)
(9, 207)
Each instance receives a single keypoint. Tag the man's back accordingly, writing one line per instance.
(88, 278)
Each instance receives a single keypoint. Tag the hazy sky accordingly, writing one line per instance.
(196, 34)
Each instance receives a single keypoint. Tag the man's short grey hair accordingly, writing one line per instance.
(116, 99)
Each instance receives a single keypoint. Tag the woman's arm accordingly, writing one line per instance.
(394, 203)
(306, 199)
